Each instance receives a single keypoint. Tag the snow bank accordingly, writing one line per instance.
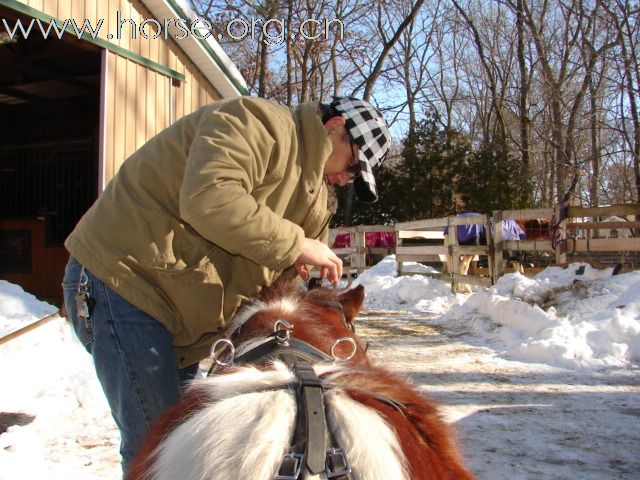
(574, 317)
(558, 318)
(18, 307)
(385, 290)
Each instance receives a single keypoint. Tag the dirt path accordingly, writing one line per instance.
(516, 420)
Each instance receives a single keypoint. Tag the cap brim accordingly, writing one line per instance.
(363, 191)
(365, 184)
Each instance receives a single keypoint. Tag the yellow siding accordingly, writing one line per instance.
(110, 117)
(139, 100)
(119, 78)
(178, 99)
(151, 95)
(102, 12)
(49, 6)
(139, 106)
(160, 103)
(89, 9)
(64, 9)
(164, 52)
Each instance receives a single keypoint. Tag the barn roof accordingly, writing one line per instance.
(206, 54)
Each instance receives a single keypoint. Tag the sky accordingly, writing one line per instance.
(535, 348)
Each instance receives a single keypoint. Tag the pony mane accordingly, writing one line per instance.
(260, 405)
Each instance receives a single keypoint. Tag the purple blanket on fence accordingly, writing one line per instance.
(467, 234)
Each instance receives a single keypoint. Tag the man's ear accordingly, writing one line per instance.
(335, 122)
(352, 301)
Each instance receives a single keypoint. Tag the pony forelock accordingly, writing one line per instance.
(288, 305)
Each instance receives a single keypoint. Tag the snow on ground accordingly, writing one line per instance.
(539, 376)
(47, 374)
(561, 317)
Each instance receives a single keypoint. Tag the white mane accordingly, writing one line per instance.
(248, 422)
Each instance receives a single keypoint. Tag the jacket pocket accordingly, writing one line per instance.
(196, 296)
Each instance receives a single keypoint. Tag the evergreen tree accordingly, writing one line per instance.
(492, 179)
(420, 183)
(431, 159)
(438, 175)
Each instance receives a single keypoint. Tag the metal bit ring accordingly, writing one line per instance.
(338, 342)
(214, 355)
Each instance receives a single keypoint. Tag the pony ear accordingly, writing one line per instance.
(288, 279)
(352, 301)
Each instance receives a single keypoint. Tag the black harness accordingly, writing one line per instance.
(309, 444)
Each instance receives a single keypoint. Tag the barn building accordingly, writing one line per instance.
(74, 106)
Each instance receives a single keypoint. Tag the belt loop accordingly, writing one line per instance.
(83, 283)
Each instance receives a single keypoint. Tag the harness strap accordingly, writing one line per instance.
(309, 443)
(336, 464)
(274, 348)
(312, 414)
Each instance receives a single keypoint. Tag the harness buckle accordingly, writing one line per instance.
(337, 463)
(290, 466)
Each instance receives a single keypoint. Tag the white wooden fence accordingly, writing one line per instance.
(572, 230)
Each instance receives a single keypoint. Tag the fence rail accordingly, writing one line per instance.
(563, 231)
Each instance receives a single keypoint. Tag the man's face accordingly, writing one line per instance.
(342, 165)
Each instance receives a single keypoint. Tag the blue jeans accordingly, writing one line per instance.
(133, 356)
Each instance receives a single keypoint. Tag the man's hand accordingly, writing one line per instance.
(318, 254)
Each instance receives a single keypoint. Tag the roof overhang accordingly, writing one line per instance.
(205, 53)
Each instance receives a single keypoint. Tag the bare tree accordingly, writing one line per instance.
(411, 59)
(573, 37)
(624, 15)
(555, 80)
(525, 86)
(489, 67)
(389, 31)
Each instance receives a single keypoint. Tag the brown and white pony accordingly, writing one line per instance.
(239, 422)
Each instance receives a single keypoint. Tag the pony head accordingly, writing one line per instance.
(322, 317)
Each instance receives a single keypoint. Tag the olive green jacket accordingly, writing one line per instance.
(206, 213)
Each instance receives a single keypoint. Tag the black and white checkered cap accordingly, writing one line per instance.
(369, 131)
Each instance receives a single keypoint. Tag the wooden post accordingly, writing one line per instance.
(452, 237)
(561, 236)
(398, 244)
(361, 250)
(489, 233)
(498, 247)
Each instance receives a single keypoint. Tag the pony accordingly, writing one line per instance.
(537, 228)
(293, 395)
